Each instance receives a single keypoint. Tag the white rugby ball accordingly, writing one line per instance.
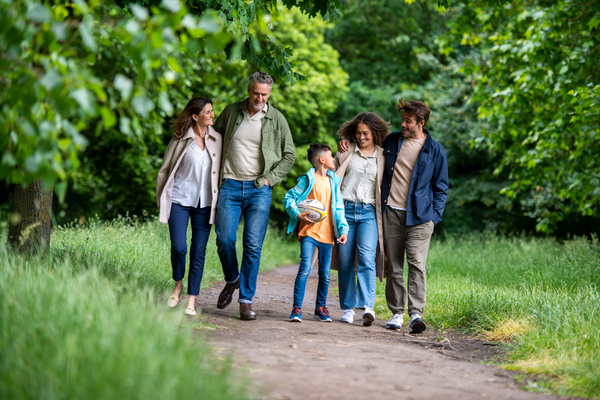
(316, 211)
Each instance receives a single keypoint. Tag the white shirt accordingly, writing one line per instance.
(245, 161)
(360, 179)
(192, 181)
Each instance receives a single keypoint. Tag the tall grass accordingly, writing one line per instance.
(83, 321)
(126, 250)
(67, 333)
(540, 295)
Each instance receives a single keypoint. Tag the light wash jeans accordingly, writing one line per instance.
(237, 198)
(357, 290)
(307, 246)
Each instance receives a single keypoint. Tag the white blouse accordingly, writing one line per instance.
(360, 180)
(191, 186)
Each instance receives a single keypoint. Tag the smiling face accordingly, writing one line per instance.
(259, 94)
(364, 137)
(410, 128)
(205, 117)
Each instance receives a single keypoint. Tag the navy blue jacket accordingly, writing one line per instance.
(427, 193)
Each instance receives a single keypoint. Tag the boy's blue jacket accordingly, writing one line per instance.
(300, 192)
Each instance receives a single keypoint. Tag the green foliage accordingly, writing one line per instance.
(76, 66)
(535, 68)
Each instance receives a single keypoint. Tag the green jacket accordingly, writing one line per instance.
(277, 143)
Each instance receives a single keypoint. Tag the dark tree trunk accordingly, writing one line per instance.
(30, 225)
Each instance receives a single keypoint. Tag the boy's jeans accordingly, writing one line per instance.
(237, 198)
(307, 246)
(362, 239)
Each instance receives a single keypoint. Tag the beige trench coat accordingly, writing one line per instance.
(173, 156)
(341, 162)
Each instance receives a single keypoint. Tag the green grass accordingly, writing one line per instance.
(83, 321)
(539, 295)
(128, 251)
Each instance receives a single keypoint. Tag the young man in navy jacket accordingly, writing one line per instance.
(413, 196)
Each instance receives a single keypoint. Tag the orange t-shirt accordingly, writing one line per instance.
(321, 231)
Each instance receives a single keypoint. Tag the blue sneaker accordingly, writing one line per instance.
(296, 315)
(322, 314)
(417, 325)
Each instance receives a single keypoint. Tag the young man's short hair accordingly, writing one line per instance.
(315, 151)
(416, 108)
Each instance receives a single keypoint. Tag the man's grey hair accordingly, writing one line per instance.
(260, 77)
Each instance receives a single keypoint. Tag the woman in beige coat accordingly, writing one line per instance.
(360, 260)
(187, 189)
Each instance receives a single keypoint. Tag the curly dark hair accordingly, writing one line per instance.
(185, 121)
(378, 127)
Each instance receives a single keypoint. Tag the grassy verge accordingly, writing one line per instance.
(539, 295)
(82, 321)
(129, 251)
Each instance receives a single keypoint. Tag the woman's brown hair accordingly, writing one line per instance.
(185, 121)
(378, 127)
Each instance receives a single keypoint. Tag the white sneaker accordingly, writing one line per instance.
(348, 316)
(368, 316)
(395, 322)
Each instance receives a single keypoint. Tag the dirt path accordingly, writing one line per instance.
(315, 360)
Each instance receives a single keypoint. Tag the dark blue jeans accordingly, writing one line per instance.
(307, 246)
(178, 225)
(237, 198)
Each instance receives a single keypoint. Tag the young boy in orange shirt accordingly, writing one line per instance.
(322, 184)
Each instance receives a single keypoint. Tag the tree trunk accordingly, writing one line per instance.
(31, 225)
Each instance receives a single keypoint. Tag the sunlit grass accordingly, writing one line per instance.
(539, 294)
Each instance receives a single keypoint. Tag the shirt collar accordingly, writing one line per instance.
(373, 155)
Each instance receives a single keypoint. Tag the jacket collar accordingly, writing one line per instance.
(394, 144)
(190, 133)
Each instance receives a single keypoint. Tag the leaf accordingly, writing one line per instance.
(171, 5)
(38, 13)
(209, 22)
(142, 105)
(140, 12)
(86, 36)
(84, 98)
(51, 80)
(123, 85)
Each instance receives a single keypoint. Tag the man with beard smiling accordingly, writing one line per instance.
(413, 196)
(258, 151)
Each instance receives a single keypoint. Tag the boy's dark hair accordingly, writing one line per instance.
(315, 151)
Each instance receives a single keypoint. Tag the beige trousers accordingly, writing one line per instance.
(414, 240)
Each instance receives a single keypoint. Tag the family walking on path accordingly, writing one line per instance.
(383, 194)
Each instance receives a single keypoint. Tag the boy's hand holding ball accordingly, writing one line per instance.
(304, 218)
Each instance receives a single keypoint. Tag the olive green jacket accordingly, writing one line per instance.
(277, 143)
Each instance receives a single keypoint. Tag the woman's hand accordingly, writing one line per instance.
(304, 218)
(342, 239)
(343, 145)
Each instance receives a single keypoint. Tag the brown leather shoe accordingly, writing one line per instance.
(227, 294)
(246, 312)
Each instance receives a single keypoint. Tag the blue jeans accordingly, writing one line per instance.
(362, 239)
(307, 246)
(237, 198)
(178, 225)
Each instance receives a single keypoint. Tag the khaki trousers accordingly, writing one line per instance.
(414, 240)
